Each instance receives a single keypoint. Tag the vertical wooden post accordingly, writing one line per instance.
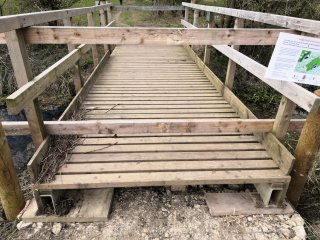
(306, 153)
(186, 14)
(95, 54)
(283, 117)
(11, 195)
(76, 75)
(207, 48)
(23, 74)
(103, 22)
(196, 17)
(109, 15)
(239, 23)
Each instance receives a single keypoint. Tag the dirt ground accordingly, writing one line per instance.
(158, 213)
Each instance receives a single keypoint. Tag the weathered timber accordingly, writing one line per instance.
(95, 54)
(292, 91)
(186, 14)
(231, 70)
(300, 24)
(146, 8)
(151, 126)
(81, 181)
(13, 22)
(11, 196)
(158, 36)
(299, 95)
(75, 70)
(23, 74)
(274, 147)
(208, 48)
(34, 163)
(306, 153)
(29, 91)
(104, 23)
(283, 117)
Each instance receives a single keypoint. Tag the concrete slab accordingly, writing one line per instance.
(91, 205)
(225, 204)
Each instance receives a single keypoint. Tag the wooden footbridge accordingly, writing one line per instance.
(154, 112)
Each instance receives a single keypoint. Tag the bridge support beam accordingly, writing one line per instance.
(10, 192)
(306, 153)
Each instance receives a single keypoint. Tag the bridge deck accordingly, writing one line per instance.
(142, 82)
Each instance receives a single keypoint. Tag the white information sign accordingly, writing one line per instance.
(297, 59)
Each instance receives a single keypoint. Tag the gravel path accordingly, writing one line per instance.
(157, 213)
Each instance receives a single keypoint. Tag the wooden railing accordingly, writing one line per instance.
(31, 87)
(19, 30)
(293, 94)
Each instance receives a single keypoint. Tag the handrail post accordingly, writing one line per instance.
(196, 17)
(11, 196)
(208, 49)
(283, 117)
(103, 23)
(95, 54)
(239, 23)
(306, 152)
(76, 75)
(186, 14)
(23, 74)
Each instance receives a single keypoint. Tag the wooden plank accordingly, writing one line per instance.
(146, 8)
(156, 107)
(23, 74)
(167, 140)
(29, 91)
(300, 24)
(166, 147)
(80, 181)
(161, 116)
(158, 111)
(167, 156)
(13, 22)
(151, 36)
(165, 166)
(122, 102)
(127, 126)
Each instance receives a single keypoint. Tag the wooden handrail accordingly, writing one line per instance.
(300, 24)
(293, 91)
(31, 90)
(124, 126)
(9, 23)
(161, 36)
(147, 8)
